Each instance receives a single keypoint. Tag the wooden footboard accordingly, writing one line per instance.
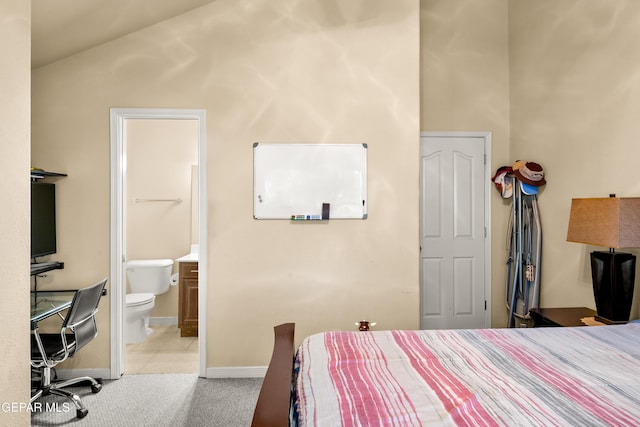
(272, 408)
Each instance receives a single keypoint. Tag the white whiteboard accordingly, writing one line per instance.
(295, 180)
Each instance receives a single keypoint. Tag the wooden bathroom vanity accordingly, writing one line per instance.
(188, 299)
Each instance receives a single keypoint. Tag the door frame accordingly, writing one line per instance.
(118, 118)
(486, 138)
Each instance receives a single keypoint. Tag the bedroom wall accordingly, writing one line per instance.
(280, 71)
(15, 26)
(464, 76)
(575, 98)
(579, 70)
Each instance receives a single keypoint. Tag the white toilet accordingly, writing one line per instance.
(147, 278)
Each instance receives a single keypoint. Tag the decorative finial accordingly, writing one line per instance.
(365, 325)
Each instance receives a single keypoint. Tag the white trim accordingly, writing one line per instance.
(487, 206)
(203, 243)
(117, 250)
(220, 372)
(118, 117)
(161, 321)
(96, 373)
(237, 372)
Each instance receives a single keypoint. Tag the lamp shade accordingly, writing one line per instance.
(612, 222)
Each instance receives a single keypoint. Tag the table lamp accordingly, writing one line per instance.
(614, 223)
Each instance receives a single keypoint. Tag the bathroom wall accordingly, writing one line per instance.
(195, 201)
(160, 155)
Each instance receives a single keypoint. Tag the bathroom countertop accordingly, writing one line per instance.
(192, 256)
(188, 258)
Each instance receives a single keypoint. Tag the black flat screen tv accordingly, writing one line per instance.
(43, 219)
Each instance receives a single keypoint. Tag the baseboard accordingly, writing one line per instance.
(65, 374)
(239, 372)
(222, 372)
(163, 321)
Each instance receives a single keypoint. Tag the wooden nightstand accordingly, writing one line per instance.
(565, 316)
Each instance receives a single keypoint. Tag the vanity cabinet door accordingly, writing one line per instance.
(188, 299)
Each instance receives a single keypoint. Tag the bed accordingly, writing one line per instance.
(586, 376)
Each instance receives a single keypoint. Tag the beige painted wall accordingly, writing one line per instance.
(464, 79)
(160, 155)
(538, 75)
(270, 71)
(15, 31)
(575, 98)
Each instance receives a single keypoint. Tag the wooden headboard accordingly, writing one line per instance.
(272, 408)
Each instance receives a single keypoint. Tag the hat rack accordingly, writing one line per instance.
(524, 243)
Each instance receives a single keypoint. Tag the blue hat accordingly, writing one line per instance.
(528, 189)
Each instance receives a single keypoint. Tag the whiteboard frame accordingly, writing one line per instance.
(345, 190)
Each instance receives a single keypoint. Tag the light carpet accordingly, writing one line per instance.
(158, 400)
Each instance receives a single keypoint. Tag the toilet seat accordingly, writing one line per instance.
(135, 300)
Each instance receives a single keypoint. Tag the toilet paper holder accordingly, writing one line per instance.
(174, 279)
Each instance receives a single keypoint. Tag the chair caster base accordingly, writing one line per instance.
(81, 413)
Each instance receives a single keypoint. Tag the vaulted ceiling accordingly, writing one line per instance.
(61, 28)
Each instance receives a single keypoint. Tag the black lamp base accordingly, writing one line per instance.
(613, 277)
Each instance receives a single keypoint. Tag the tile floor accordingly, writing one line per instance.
(163, 352)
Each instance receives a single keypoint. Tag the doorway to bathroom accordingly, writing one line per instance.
(158, 179)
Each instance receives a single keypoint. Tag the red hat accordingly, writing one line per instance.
(503, 181)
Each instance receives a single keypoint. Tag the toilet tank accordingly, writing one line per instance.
(149, 275)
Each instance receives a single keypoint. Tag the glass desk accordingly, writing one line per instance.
(48, 303)
(43, 305)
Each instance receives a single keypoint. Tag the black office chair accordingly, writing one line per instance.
(78, 328)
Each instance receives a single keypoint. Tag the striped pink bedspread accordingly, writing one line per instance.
(582, 376)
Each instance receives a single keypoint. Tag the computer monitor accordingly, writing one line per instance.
(43, 219)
